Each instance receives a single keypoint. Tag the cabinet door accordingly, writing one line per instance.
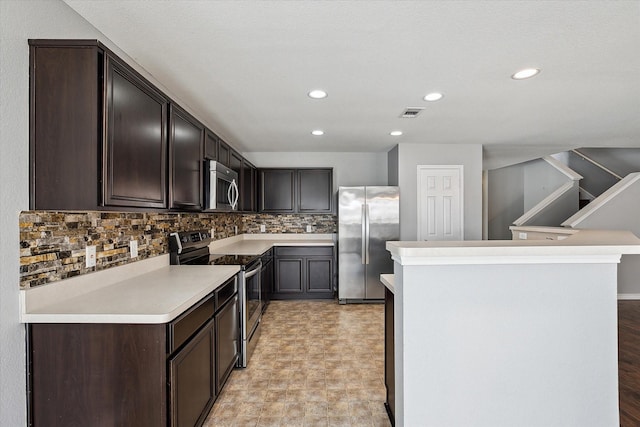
(277, 190)
(136, 140)
(227, 341)
(315, 190)
(319, 275)
(65, 112)
(249, 191)
(289, 277)
(185, 145)
(192, 387)
(210, 145)
(224, 152)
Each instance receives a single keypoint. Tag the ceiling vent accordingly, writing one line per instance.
(411, 112)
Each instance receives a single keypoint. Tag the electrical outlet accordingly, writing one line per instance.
(90, 256)
(212, 232)
(522, 236)
(133, 248)
(263, 228)
(308, 229)
(235, 230)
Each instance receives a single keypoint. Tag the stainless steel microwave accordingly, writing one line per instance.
(221, 187)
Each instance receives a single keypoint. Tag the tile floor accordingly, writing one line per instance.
(317, 363)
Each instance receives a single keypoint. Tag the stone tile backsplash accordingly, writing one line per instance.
(52, 244)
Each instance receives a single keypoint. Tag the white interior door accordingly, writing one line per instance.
(440, 197)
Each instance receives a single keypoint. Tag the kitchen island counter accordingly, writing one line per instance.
(515, 332)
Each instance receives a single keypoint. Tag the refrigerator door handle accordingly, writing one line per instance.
(363, 231)
(366, 227)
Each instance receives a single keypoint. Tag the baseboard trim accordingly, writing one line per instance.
(628, 296)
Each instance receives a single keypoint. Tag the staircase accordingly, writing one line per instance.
(598, 185)
(606, 200)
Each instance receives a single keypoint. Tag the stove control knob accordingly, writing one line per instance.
(184, 239)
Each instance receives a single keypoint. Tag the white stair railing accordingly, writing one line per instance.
(546, 204)
(554, 206)
(600, 202)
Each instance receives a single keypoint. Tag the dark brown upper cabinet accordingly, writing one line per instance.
(277, 191)
(315, 190)
(249, 187)
(136, 140)
(186, 138)
(210, 145)
(224, 153)
(65, 125)
(98, 130)
(307, 190)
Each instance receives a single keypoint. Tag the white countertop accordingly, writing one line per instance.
(148, 291)
(591, 244)
(389, 281)
(257, 244)
(158, 296)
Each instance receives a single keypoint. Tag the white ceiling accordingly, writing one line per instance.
(244, 68)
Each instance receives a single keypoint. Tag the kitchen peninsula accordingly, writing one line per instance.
(502, 333)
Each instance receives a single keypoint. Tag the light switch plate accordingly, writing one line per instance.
(133, 248)
(522, 236)
(90, 256)
(263, 228)
(308, 229)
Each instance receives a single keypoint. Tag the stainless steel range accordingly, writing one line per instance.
(192, 248)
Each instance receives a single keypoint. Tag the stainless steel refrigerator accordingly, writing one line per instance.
(367, 218)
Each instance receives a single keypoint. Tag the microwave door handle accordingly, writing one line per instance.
(236, 193)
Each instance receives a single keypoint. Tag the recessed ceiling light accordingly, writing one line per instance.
(395, 133)
(433, 96)
(317, 132)
(525, 74)
(317, 94)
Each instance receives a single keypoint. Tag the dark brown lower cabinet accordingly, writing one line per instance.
(389, 358)
(227, 341)
(303, 272)
(192, 389)
(134, 375)
(97, 375)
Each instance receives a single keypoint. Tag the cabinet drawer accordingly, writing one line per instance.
(304, 250)
(190, 322)
(225, 292)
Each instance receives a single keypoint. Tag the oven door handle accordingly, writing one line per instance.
(254, 271)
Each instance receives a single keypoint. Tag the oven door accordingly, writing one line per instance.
(252, 310)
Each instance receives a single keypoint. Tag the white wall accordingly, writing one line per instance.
(19, 21)
(505, 200)
(412, 155)
(348, 168)
(540, 180)
(622, 161)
